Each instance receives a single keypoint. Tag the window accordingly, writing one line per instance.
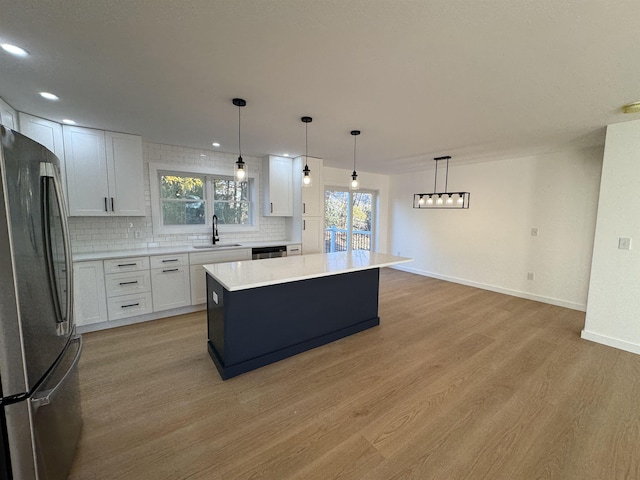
(348, 220)
(184, 202)
(231, 201)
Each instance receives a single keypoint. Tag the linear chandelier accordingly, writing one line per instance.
(444, 200)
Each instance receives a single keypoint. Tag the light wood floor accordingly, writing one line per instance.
(456, 383)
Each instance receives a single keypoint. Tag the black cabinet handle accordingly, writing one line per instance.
(304, 207)
(304, 224)
(171, 260)
(271, 207)
(171, 270)
(127, 264)
(131, 305)
(112, 205)
(128, 283)
(106, 207)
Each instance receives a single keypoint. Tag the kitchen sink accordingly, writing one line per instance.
(214, 247)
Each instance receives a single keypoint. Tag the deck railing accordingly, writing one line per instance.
(335, 239)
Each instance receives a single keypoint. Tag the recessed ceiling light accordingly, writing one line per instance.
(285, 154)
(49, 96)
(14, 50)
(631, 108)
(202, 155)
(215, 144)
(68, 121)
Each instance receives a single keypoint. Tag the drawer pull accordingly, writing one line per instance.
(130, 305)
(171, 260)
(127, 264)
(171, 270)
(128, 283)
(294, 250)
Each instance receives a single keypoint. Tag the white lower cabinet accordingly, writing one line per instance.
(90, 300)
(170, 281)
(119, 288)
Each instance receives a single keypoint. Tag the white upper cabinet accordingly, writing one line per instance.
(8, 116)
(43, 131)
(46, 133)
(104, 172)
(277, 188)
(124, 168)
(312, 196)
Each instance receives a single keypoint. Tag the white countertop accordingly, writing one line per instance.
(143, 252)
(272, 271)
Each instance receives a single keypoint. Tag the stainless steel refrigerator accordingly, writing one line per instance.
(39, 351)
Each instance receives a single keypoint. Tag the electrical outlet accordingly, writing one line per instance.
(624, 243)
(531, 276)
(138, 234)
(534, 232)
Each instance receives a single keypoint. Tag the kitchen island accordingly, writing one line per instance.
(262, 311)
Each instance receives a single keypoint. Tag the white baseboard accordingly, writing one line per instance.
(611, 342)
(515, 293)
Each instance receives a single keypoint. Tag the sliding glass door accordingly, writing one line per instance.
(348, 220)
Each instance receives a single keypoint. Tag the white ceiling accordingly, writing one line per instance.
(475, 79)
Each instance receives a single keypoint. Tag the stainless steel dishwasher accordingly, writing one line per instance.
(268, 252)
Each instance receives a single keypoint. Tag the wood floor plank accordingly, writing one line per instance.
(456, 382)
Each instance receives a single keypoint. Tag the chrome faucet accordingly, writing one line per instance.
(216, 238)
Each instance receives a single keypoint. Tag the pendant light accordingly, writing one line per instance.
(241, 167)
(444, 200)
(306, 173)
(354, 175)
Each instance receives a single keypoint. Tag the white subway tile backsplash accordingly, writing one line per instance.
(94, 234)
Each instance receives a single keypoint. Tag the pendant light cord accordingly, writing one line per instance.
(239, 147)
(306, 144)
(355, 139)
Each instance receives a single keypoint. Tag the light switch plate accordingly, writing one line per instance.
(624, 243)
(214, 297)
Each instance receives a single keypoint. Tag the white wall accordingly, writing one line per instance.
(338, 177)
(96, 234)
(613, 311)
(490, 245)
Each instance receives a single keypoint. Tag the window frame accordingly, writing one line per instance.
(157, 169)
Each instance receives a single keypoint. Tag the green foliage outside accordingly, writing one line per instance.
(184, 200)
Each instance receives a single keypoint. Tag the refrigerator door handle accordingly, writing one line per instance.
(65, 325)
(46, 396)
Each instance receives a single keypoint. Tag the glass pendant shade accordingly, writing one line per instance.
(306, 177)
(241, 170)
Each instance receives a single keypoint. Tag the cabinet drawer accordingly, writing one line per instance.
(294, 250)
(128, 283)
(166, 261)
(203, 258)
(129, 305)
(118, 265)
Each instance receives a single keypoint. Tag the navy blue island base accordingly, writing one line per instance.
(254, 327)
